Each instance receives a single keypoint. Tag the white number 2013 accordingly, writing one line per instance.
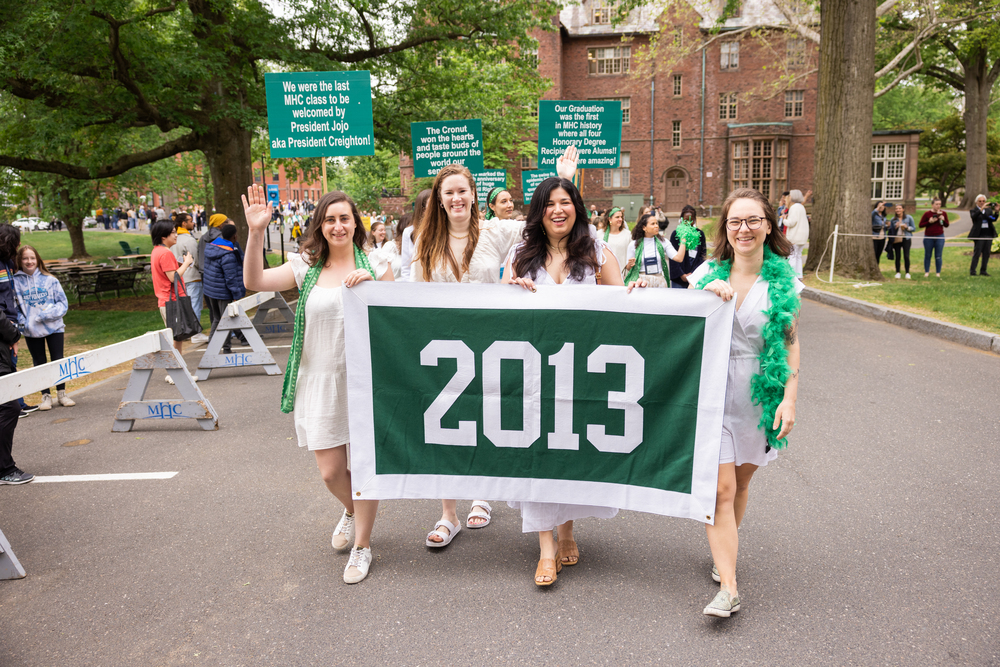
(562, 436)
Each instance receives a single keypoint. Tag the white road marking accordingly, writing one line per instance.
(112, 477)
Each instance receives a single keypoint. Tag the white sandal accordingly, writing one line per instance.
(480, 510)
(446, 537)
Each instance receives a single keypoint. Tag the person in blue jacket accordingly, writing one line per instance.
(42, 303)
(222, 277)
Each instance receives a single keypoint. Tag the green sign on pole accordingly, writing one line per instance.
(317, 114)
(594, 127)
(441, 143)
(487, 180)
(531, 179)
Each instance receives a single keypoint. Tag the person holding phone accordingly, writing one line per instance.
(933, 223)
(983, 231)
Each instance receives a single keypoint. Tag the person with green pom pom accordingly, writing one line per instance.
(749, 264)
(696, 254)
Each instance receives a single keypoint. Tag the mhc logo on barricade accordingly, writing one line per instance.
(164, 410)
(71, 369)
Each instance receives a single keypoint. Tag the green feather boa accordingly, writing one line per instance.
(299, 332)
(767, 387)
(688, 234)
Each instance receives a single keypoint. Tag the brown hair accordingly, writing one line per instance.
(316, 249)
(419, 208)
(776, 240)
(41, 264)
(434, 248)
(371, 234)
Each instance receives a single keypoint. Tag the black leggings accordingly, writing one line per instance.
(904, 250)
(36, 346)
(879, 247)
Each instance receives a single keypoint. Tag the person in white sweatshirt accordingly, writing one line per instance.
(797, 229)
(42, 303)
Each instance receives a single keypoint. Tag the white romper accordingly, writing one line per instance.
(535, 516)
(321, 389)
(742, 439)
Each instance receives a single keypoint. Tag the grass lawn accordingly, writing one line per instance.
(100, 245)
(956, 297)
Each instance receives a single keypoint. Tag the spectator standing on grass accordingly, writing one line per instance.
(900, 235)
(797, 229)
(192, 279)
(878, 230)
(983, 216)
(223, 278)
(9, 411)
(933, 223)
(43, 304)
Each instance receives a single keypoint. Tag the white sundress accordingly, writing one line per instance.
(496, 237)
(321, 388)
(742, 439)
(535, 516)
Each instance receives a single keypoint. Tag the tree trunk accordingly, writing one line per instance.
(977, 106)
(73, 199)
(843, 137)
(206, 181)
(227, 149)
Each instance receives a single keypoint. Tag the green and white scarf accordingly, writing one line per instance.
(299, 333)
(767, 387)
(633, 273)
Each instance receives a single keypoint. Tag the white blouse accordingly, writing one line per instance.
(496, 238)
(649, 250)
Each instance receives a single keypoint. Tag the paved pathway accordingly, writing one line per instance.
(871, 541)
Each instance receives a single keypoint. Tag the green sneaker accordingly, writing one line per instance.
(723, 605)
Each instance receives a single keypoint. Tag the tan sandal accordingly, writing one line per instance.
(568, 550)
(547, 567)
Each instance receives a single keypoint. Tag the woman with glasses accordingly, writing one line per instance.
(749, 263)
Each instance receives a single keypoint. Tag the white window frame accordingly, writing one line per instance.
(794, 103)
(678, 84)
(730, 51)
(888, 171)
(609, 60)
(619, 178)
(675, 134)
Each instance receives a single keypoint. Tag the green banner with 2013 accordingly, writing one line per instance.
(579, 395)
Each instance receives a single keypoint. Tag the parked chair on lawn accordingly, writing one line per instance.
(129, 250)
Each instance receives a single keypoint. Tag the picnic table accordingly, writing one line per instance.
(128, 259)
(99, 278)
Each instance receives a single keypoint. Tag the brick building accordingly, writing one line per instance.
(711, 111)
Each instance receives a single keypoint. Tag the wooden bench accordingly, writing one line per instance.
(108, 280)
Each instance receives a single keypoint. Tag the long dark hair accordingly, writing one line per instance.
(401, 226)
(10, 238)
(419, 207)
(316, 249)
(639, 231)
(776, 240)
(580, 252)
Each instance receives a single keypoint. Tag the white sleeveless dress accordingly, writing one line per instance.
(536, 517)
(742, 439)
(321, 388)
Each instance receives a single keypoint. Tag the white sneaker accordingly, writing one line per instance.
(199, 339)
(908, 276)
(64, 400)
(898, 276)
(46, 403)
(358, 565)
(343, 534)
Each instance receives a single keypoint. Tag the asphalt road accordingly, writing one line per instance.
(870, 541)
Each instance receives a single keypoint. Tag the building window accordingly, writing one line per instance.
(626, 107)
(761, 164)
(793, 103)
(795, 51)
(730, 55)
(533, 110)
(530, 56)
(618, 178)
(256, 175)
(675, 135)
(529, 162)
(439, 60)
(609, 60)
(887, 170)
(274, 176)
(603, 11)
(677, 85)
(727, 106)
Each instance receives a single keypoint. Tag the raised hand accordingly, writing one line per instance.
(257, 208)
(566, 163)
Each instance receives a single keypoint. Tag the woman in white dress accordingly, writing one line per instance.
(316, 375)
(382, 253)
(454, 246)
(617, 235)
(558, 249)
(750, 263)
(648, 253)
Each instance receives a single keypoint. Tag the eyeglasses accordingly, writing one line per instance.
(753, 222)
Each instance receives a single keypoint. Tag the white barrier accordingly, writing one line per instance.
(234, 320)
(10, 567)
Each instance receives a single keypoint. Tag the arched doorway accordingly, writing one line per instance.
(675, 183)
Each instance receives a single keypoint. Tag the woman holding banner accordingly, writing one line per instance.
(558, 251)
(316, 375)
(451, 229)
(750, 264)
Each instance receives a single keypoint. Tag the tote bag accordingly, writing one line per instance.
(180, 314)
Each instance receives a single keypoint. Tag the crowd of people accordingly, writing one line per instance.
(448, 239)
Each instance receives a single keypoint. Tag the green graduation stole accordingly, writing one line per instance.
(633, 273)
(767, 388)
(299, 332)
